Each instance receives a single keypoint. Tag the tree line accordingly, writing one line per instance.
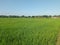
(15, 16)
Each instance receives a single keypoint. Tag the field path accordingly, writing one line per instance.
(58, 39)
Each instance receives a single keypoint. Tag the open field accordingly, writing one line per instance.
(29, 31)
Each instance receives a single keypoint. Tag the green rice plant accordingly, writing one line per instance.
(29, 31)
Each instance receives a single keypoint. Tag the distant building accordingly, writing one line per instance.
(55, 17)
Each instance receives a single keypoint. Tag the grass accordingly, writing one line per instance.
(29, 31)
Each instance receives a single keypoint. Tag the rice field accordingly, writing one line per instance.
(29, 31)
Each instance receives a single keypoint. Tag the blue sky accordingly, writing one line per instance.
(30, 7)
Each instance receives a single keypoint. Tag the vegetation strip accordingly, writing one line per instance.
(58, 39)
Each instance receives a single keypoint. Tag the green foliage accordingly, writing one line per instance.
(28, 31)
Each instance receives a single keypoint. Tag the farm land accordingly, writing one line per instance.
(29, 31)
